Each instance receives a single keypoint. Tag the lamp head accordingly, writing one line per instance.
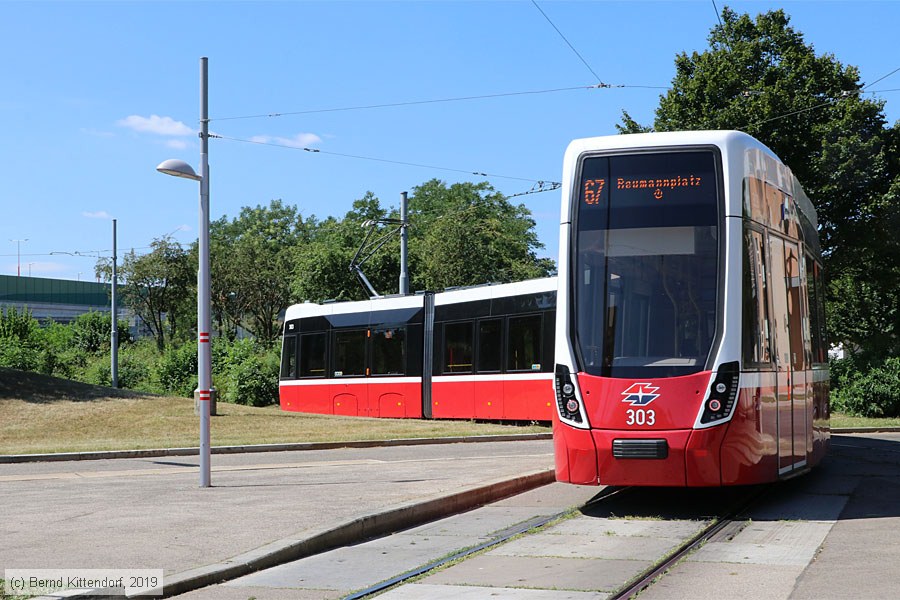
(178, 168)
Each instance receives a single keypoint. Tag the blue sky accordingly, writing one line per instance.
(96, 94)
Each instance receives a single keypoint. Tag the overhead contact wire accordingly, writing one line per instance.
(568, 43)
(382, 160)
(412, 103)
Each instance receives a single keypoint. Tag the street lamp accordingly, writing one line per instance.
(19, 256)
(179, 168)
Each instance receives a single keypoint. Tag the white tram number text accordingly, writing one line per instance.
(640, 416)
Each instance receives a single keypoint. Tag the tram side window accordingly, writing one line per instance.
(289, 357)
(388, 351)
(815, 289)
(458, 347)
(489, 344)
(524, 349)
(755, 327)
(349, 353)
(312, 355)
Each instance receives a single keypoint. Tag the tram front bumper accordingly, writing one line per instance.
(677, 458)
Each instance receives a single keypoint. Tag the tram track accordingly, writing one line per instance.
(502, 537)
(727, 525)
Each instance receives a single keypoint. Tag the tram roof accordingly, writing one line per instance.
(449, 296)
(737, 147)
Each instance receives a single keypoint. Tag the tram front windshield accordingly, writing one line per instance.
(646, 265)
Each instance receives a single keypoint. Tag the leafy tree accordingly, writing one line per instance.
(467, 234)
(251, 268)
(158, 288)
(464, 234)
(322, 265)
(759, 76)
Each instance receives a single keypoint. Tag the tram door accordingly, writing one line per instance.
(789, 355)
(800, 387)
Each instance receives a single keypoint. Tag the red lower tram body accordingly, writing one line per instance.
(653, 438)
(510, 397)
(400, 397)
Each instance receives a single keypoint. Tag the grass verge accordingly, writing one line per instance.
(41, 414)
(839, 420)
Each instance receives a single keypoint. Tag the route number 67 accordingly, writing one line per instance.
(639, 416)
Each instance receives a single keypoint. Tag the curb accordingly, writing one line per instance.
(866, 430)
(154, 453)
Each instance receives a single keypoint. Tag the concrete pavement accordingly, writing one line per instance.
(832, 534)
(829, 535)
(151, 514)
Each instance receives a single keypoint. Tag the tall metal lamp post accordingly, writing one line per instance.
(179, 168)
(18, 244)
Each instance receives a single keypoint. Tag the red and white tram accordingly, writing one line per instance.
(691, 343)
(484, 352)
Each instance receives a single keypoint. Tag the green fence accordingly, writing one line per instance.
(25, 290)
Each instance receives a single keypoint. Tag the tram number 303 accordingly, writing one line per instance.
(640, 416)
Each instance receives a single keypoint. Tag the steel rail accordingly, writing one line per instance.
(644, 579)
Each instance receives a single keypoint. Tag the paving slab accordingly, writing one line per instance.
(586, 546)
(768, 543)
(697, 581)
(599, 526)
(358, 566)
(484, 522)
(226, 592)
(541, 572)
(430, 591)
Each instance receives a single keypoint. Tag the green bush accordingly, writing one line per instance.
(70, 362)
(252, 375)
(138, 363)
(91, 332)
(17, 354)
(874, 393)
(18, 325)
(135, 368)
(97, 371)
(253, 383)
(176, 370)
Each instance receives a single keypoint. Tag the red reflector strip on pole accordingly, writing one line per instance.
(203, 395)
(203, 337)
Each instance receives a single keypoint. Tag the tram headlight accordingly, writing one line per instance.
(723, 394)
(566, 402)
